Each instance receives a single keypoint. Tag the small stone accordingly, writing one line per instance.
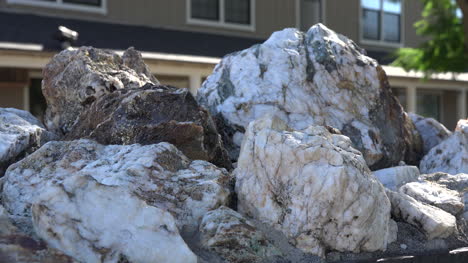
(394, 177)
(403, 246)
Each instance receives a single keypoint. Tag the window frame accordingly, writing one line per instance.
(381, 41)
(59, 4)
(221, 23)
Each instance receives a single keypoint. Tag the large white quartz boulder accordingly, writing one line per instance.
(92, 222)
(432, 132)
(432, 221)
(75, 78)
(435, 195)
(394, 177)
(451, 155)
(313, 186)
(159, 174)
(313, 78)
(6, 227)
(20, 134)
(234, 238)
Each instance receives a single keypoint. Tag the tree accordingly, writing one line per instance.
(446, 29)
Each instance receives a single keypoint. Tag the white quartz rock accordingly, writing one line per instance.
(436, 195)
(92, 222)
(234, 238)
(313, 186)
(20, 133)
(313, 78)
(432, 132)
(394, 177)
(432, 221)
(159, 174)
(451, 155)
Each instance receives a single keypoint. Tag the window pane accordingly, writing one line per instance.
(428, 105)
(205, 9)
(371, 24)
(84, 2)
(371, 4)
(237, 11)
(391, 27)
(392, 6)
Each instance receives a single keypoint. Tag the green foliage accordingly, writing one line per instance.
(444, 50)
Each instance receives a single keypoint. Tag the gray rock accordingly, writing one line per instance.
(313, 78)
(451, 155)
(20, 134)
(395, 177)
(150, 115)
(159, 174)
(432, 132)
(234, 238)
(73, 79)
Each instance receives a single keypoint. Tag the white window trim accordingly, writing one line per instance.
(382, 42)
(59, 4)
(221, 23)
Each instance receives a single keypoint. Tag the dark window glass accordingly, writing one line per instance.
(428, 104)
(205, 9)
(371, 24)
(237, 11)
(391, 27)
(84, 2)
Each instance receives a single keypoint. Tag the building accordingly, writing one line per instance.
(182, 40)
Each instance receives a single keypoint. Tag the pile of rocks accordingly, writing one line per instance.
(129, 170)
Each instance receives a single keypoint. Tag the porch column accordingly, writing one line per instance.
(195, 83)
(461, 104)
(411, 99)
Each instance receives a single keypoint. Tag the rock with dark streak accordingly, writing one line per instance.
(74, 79)
(313, 78)
(150, 115)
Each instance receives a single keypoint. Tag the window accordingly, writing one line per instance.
(238, 14)
(429, 104)
(381, 20)
(400, 93)
(99, 6)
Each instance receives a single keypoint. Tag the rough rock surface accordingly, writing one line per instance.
(431, 131)
(150, 115)
(395, 177)
(6, 227)
(313, 186)
(451, 155)
(17, 248)
(92, 222)
(73, 79)
(314, 78)
(20, 134)
(159, 174)
(435, 195)
(432, 221)
(234, 238)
